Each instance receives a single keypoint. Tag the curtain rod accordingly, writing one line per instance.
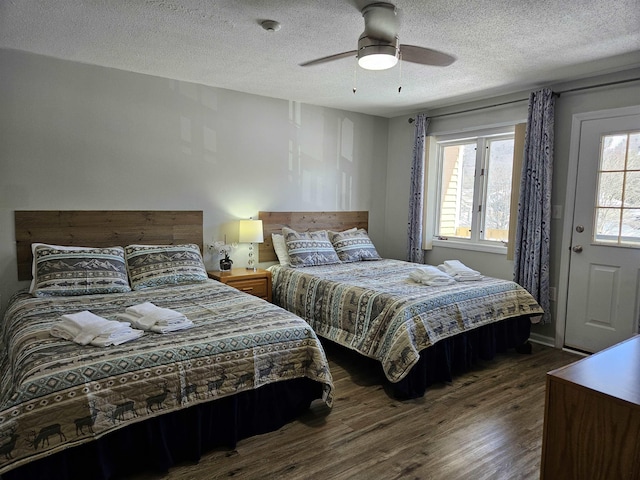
(577, 89)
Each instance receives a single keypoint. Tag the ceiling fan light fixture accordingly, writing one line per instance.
(379, 47)
(377, 61)
(376, 54)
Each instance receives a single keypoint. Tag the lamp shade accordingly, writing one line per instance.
(251, 231)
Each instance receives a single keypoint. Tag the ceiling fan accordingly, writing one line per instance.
(379, 47)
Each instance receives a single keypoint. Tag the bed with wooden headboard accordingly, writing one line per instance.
(419, 334)
(83, 411)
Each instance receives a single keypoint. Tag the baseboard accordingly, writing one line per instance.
(576, 352)
(542, 339)
(549, 342)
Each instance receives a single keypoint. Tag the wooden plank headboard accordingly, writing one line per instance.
(103, 228)
(272, 222)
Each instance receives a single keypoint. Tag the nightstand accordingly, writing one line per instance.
(256, 283)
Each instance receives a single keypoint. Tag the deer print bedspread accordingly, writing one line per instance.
(55, 393)
(373, 307)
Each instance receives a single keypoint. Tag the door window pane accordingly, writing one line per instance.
(614, 151)
(610, 189)
(631, 227)
(633, 155)
(617, 213)
(607, 225)
(632, 190)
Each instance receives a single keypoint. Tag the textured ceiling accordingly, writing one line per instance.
(501, 46)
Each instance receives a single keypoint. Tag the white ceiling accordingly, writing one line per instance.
(501, 46)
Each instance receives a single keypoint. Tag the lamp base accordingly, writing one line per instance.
(251, 264)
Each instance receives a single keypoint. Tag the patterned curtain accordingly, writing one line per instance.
(531, 257)
(416, 203)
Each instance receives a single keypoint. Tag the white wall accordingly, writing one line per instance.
(568, 104)
(75, 136)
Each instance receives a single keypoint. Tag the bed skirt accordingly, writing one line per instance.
(460, 353)
(159, 443)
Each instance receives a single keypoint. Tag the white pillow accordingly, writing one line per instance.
(281, 249)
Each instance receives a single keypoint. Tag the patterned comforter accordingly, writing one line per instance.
(55, 393)
(374, 308)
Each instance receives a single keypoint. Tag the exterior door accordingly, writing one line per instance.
(603, 299)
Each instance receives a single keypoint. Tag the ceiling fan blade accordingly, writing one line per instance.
(425, 56)
(330, 58)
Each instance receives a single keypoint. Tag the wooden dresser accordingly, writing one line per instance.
(592, 417)
(256, 282)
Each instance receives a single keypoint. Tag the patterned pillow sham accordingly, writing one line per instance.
(67, 271)
(307, 249)
(154, 265)
(354, 246)
(280, 247)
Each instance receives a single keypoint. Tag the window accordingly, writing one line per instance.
(474, 188)
(617, 215)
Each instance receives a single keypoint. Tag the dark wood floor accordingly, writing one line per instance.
(486, 424)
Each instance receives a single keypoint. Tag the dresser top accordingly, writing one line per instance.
(614, 371)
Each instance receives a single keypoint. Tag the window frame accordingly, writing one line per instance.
(482, 139)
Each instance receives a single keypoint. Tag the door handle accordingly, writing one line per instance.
(579, 229)
(577, 248)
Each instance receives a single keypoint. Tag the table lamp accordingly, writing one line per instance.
(251, 232)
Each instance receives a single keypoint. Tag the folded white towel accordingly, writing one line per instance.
(84, 326)
(468, 278)
(458, 267)
(149, 315)
(172, 328)
(88, 328)
(142, 309)
(430, 275)
(459, 271)
(117, 339)
(138, 322)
